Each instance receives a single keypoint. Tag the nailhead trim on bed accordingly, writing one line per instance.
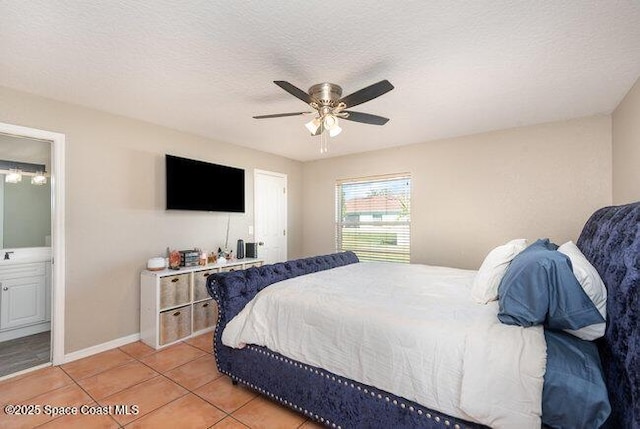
(321, 373)
(316, 417)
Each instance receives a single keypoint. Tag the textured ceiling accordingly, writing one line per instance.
(206, 67)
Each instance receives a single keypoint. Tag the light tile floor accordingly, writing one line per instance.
(176, 387)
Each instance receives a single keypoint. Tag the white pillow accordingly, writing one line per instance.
(485, 284)
(593, 286)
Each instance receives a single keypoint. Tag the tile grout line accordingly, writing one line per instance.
(32, 397)
(306, 420)
(227, 414)
(75, 381)
(134, 359)
(159, 374)
(162, 374)
(100, 372)
(81, 388)
(210, 354)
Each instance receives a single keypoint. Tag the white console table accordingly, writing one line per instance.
(175, 304)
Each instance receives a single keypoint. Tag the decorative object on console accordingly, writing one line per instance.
(156, 264)
(189, 258)
(240, 250)
(251, 250)
(174, 260)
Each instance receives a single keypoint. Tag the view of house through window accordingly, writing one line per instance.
(373, 217)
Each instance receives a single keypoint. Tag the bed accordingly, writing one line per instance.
(610, 240)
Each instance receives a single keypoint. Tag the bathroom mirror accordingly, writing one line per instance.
(25, 208)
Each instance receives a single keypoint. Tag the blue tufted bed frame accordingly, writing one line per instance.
(610, 240)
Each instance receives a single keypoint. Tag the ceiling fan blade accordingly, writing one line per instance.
(368, 93)
(365, 118)
(294, 90)
(279, 115)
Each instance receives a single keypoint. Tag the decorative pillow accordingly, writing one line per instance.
(574, 394)
(486, 282)
(592, 285)
(539, 288)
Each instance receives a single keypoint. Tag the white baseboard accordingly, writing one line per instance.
(118, 342)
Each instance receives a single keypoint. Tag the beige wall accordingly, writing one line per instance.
(472, 193)
(626, 148)
(115, 217)
(469, 195)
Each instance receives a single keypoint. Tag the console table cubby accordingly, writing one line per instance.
(175, 304)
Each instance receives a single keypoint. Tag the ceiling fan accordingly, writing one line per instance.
(328, 105)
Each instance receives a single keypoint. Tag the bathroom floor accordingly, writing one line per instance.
(25, 352)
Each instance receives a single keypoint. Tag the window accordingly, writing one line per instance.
(373, 217)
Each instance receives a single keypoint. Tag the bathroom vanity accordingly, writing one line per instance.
(25, 292)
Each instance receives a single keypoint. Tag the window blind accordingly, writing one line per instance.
(373, 217)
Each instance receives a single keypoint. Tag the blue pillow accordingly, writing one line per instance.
(574, 394)
(539, 288)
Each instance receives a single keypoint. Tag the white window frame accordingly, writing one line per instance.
(369, 226)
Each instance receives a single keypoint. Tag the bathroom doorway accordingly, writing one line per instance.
(31, 249)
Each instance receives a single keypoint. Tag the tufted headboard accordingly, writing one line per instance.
(611, 241)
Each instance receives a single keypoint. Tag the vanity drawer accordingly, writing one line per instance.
(22, 270)
(233, 268)
(200, 284)
(174, 290)
(205, 314)
(175, 324)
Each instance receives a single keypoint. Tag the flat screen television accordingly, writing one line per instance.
(203, 186)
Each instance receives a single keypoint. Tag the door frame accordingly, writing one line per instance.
(58, 264)
(256, 172)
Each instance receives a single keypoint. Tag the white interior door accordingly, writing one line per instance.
(270, 215)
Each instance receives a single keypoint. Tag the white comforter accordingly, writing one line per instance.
(412, 330)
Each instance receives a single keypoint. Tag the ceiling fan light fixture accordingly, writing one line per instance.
(331, 124)
(328, 105)
(313, 125)
(335, 130)
(330, 121)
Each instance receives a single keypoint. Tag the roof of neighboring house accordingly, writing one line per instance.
(376, 203)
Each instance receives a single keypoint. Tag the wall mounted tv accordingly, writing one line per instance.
(199, 185)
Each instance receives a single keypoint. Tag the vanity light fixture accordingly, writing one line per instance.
(14, 170)
(39, 179)
(13, 176)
